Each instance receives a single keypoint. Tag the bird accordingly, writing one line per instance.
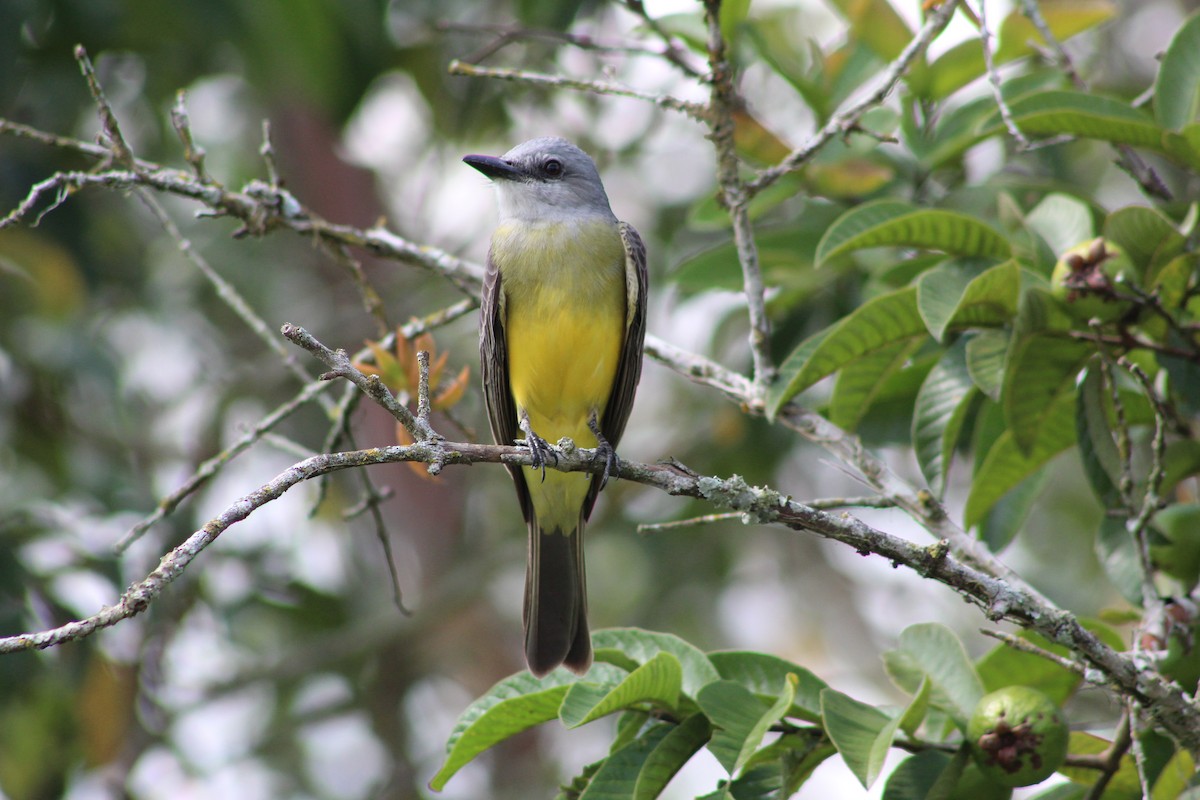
(562, 327)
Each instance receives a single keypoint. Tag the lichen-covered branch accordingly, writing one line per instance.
(758, 505)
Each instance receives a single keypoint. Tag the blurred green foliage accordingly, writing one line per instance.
(909, 301)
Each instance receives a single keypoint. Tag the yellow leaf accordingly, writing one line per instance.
(453, 392)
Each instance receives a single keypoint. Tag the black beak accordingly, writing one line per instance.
(495, 168)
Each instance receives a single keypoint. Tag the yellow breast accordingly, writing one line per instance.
(564, 294)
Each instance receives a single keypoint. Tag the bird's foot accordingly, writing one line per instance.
(540, 452)
(604, 450)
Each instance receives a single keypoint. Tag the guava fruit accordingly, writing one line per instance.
(1087, 277)
(1018, 736)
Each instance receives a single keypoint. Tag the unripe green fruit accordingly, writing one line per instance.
(1086, 276)
(1018, 736)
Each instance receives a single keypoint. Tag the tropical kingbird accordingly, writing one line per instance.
(561, 329)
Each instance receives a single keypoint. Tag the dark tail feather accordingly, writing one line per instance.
(556, 629)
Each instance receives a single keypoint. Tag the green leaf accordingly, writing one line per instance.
(893, 223)
(877, 324)
(640, 646)
(1006, 518)
(1177, 87)
(1062, 221)
(1101, 461)
(1040, 367)
(987, 353)
(941, 407)
(1089, 116)
(1040, 370)
(951, 297)
(1147, 237)
(1179, 554)
(1176, 777)
(860, 382)
(862, 733)
(932, 651)
(656, 682)
(964, 126)
(732, 14)
(642, 769)
(669, 755)
(928, 775)
(1180, 462)
(708, 214)
(1005, 465)
(785, 55)
(740, 719)
(1171, 282)
(780, 768)
(917, 708)
(766, 676)
(1124, 782)
(617, 775)
(515, 704)
(1017, 38)
(1020, 37)
(629, 726)
(1184, 146)
(877, 23)
(785, 254)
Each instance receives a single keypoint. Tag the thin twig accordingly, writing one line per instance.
(372, 303)
(724, 102)
(848, 118)
(676, 53)
(424, 406)
(118, 147)
(1122, 739)
(690, 109)
(985, 41)
(342, 408)
(341, 367)
(865, 501)
(1024, 646)
(1128, 341)
(267, 151)
(192, 153)
(259, 207)
(690, 522)
(225, 290)
(1129, 160)
(212, 466)
(506, 34)
(372, 500)
(1138, 523)
(1135, 746)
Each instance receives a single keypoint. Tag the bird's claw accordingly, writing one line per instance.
(604, 450)
(540, 452)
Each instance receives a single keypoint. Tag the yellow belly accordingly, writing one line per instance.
(564, 324)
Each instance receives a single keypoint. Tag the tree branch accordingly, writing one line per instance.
(725, 101)
(762, 505)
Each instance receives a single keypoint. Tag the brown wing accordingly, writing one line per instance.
(493, 357)
(629, 368)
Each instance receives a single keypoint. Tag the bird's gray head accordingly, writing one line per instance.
(545, 179)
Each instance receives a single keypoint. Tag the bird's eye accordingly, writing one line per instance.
(552, 167)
